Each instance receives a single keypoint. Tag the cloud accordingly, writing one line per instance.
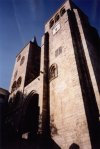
(17, 21)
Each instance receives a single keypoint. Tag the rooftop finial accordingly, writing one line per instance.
(34, 40)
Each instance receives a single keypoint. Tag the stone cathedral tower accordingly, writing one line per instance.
(65, 79)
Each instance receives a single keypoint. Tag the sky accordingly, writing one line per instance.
(21, 20)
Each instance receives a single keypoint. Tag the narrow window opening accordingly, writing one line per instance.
(57, 17)
(62, 11)
(51, 23)
(14, 86)
(18, 58)
(19, 81)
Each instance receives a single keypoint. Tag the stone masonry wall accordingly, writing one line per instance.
(66, 101)
(21, 70)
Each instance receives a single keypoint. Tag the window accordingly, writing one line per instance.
(19, 81)
(62, 11)
(22, 60)
(14, 86)
(58, 51)
(18, 58)
(51, 23)
(57, 17)
(53, 71)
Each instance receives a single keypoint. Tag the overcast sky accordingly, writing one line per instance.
(20, 20)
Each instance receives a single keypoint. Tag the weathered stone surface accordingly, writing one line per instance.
(72, 97)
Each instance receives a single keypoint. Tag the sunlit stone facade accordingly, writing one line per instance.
(62, 79)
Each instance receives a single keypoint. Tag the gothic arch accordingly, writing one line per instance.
(30, 114)
(28, 99)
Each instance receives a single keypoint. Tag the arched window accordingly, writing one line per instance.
(14, 86)
(51, 23)
(57, 17)
(22, 60)
(62, 11)
(18, 58)
(53, 71)
(19, 81)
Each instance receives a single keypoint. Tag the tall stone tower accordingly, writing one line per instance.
(65, 80)
(70, 48)
(24, 109)
(27, 67)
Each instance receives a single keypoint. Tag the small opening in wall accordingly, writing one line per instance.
(51, 23)
(19, 81)
(57, 17)
(14, 86)
(18, 58)
(62, 11)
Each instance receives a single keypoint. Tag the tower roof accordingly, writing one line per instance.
(34, 40)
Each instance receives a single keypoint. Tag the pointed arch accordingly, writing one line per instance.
(28, 99)
(30, 114)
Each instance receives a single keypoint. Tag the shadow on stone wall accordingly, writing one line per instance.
(89, 99)
(23, 117)
(36, 143)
